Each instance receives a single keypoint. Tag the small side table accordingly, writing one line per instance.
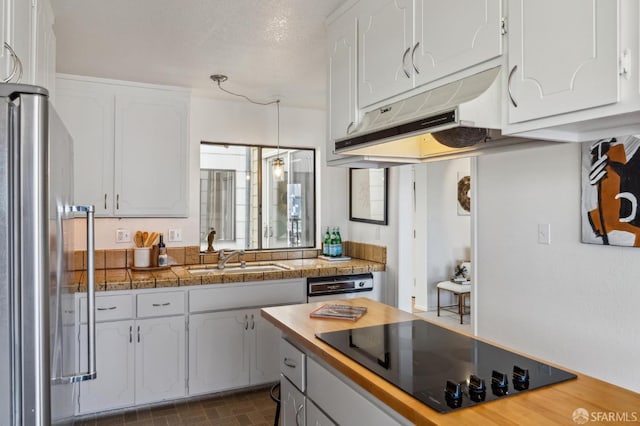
(461, 291)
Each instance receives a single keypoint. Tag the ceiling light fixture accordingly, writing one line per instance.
(277, 163)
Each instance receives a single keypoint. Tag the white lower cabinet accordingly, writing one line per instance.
(138, 361)
(265, 356)
(114, 385)
(292, 404)
(160, 359)
(324, 397)
(315, 416)
(143, 351)
(218, 351)
(231, 349)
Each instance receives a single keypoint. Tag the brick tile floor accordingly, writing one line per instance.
(249, 408)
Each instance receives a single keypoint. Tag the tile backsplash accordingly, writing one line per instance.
(190, 255)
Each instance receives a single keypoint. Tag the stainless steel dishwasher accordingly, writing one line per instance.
(320, 289)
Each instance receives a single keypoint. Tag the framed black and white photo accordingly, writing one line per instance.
(368, 195)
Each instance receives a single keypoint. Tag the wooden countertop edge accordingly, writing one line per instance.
(551, 404)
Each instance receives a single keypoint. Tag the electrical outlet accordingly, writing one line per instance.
(544, 233)
(175, 235)
(123, 236)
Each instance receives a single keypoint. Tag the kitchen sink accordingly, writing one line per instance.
(210, 269)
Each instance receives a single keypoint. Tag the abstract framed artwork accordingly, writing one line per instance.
(610, 191)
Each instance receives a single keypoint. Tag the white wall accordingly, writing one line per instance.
(240, 122)
(569, 303)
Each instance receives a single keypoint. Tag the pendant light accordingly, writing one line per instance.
(277, 164)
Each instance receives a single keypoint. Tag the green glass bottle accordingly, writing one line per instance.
(338, 243)
(333, 246)
(326, 244)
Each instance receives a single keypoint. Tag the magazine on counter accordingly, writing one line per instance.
(333, 311)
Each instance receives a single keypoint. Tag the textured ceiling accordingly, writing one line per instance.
(268, 48)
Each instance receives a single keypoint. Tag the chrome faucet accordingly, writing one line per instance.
(222, 259)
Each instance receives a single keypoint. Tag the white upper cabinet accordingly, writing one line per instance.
(27, 27)
(404, 44)
(385, 41)
(342, 90)
(151, 145)
(454, 35)
(563, 56)
(87, 110)
(130, 146)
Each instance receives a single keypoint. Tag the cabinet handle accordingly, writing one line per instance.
(138, 334)
(110, 308)
(161, 304)
(253, 323)
(17, 65)
(117, 201)
(130, 333)
(105, 200)
(289, 363)
(413, 58)
(404, 62)
(349, 127)
(298, 410)
(246, 322)
(513, 101)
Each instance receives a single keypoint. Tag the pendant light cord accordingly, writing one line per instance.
(220, 78)
(245, 97)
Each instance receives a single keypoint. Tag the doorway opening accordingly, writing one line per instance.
(443, 223)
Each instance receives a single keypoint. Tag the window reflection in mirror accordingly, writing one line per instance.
(250, 208)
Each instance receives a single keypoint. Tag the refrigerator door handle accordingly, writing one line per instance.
(90, 374)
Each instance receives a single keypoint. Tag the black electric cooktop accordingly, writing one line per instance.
(439, 367)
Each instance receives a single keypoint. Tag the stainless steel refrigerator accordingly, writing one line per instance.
(38, 341)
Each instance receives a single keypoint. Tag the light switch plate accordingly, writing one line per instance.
(175, 235)
(544, 233)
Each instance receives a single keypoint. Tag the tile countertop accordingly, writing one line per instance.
(126, 279)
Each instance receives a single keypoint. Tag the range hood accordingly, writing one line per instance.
(461, 118)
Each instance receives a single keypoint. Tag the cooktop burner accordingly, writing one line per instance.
(439, 367)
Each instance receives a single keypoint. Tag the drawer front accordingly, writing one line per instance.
(245, 296)
(293, 364)
(343, 403)
(160, 304)
(109, 308)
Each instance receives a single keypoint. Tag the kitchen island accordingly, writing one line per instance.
(556, 404)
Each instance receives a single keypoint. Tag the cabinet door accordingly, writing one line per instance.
(114, 385)
(455, 35)
(218, 351)
(292, 404)
(160, 359)
(385, 39)
(315, 417)
(265, 354)
(562, 56)
(343, 54)
(151, 152)
(87, 110)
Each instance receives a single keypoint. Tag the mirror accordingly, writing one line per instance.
(250, 208)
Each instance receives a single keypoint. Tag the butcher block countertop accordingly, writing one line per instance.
(550, 405)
